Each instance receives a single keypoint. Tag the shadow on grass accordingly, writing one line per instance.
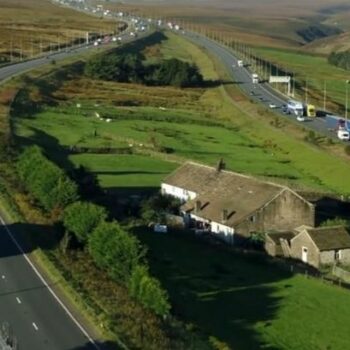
(226, 294)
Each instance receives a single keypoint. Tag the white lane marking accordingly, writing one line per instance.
(75, 321)
(18, 300)
(35, 326)
(3, 277)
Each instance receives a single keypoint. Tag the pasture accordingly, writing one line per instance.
(173, 125)
(245, 301)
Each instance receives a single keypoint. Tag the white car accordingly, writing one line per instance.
(343, 135)
(300, 118)
(272, 105)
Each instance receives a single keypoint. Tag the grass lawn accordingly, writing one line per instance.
(245, 302)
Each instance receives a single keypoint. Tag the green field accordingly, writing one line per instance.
(125, 171)
(198, 124)
(246, 302)
(186, 135)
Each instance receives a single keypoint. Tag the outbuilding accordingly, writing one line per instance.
(321, 246)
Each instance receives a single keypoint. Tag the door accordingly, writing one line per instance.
(304, 254)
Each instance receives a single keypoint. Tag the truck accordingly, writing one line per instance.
(255, 78)
(309, 110)
(240, 63)
(295, 107)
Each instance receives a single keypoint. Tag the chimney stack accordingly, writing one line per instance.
(198, 206)
(224, 215)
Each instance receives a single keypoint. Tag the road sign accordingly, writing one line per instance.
(279, 79)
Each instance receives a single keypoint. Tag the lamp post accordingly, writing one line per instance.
(346, 98)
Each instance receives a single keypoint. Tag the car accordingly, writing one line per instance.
(300, 118)
(272, 105)
(252, 93)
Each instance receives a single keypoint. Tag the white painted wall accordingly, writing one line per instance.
(180, 193)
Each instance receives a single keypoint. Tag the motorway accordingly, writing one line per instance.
(261, 93)
(29, 305)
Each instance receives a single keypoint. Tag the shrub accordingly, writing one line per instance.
(148, 291)
(340, 59)
(115, 251)
(81, 218)
(45, 181)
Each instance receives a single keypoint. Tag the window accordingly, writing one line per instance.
(337, 255)
(253, 218)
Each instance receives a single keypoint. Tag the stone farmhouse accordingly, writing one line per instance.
(233, 206)
(314, 246)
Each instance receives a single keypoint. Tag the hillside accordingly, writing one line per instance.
(29, 27)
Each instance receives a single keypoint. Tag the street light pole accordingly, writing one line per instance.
(346, 98)
(325, 95)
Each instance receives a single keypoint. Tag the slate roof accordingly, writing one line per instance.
(238, 194)
(330, 238)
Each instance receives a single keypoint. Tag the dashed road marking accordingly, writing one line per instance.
(35, 326)
(18, 300)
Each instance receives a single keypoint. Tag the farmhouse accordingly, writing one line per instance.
(234, 206)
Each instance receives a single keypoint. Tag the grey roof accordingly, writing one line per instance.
(238, 194)
(330, 238)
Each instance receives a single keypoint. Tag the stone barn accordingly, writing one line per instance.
(321, 246)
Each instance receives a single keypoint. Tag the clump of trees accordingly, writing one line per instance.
(116, 252)
(129, 68)
(340, 59)
(45, 181)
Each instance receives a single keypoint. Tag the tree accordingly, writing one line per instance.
(115, 250)
(47, 183)
(81, 218)
(147, 290)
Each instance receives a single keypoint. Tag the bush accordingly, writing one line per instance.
(45, 181)
(148, 291)
(115, 251)
(81, 218)
(129, 68)
(340, 59)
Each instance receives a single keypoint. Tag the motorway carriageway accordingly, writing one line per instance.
(262, 92)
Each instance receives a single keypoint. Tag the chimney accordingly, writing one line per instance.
(224, 215)
(198, 207)
(220, 165)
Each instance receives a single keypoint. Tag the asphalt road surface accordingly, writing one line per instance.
(261, 93)
(38, 319)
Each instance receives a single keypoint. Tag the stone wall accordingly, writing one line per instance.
(285, 212)
(304, 240)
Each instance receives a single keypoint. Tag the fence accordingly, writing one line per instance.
(341, 273)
